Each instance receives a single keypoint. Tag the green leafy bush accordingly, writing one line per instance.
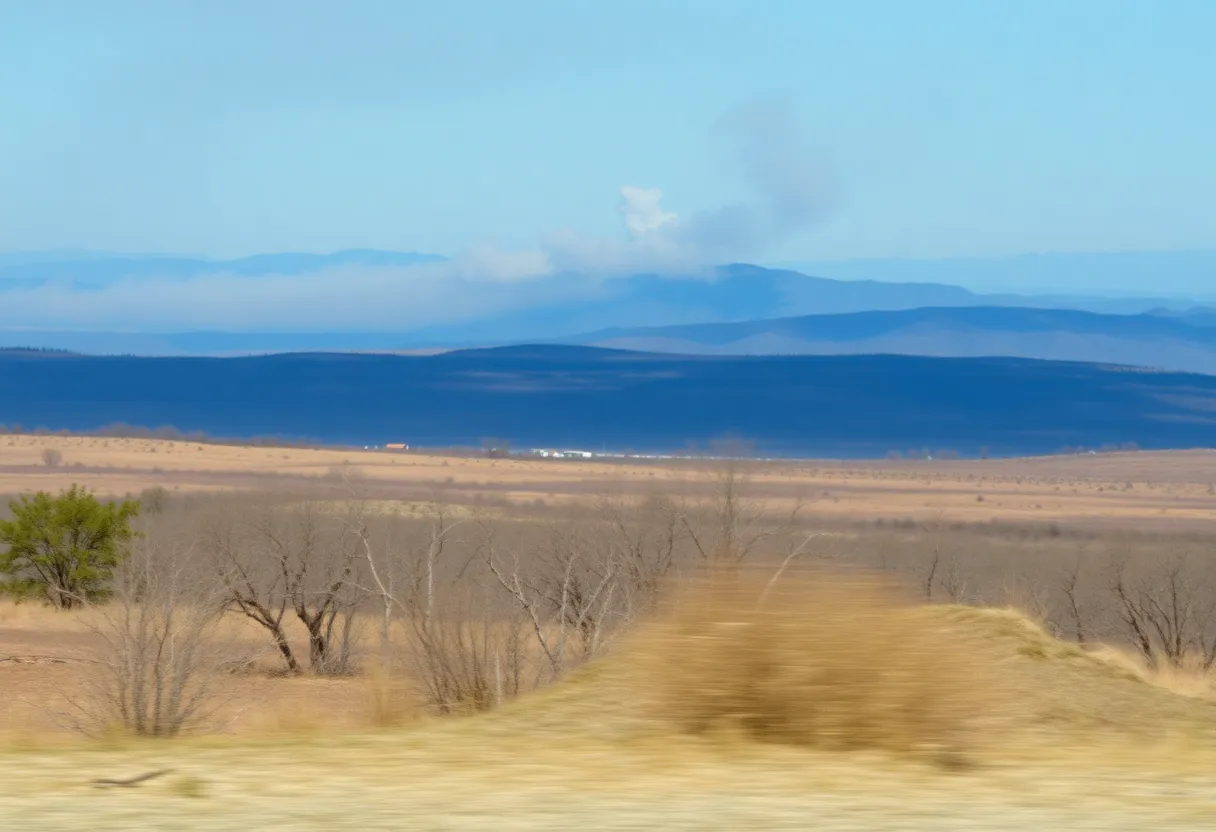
(64, 547)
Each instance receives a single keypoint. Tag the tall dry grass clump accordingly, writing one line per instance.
(813, 659)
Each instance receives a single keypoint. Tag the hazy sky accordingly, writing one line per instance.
(753, 129)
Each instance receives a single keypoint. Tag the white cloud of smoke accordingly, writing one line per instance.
(640, 208)
(791, 192)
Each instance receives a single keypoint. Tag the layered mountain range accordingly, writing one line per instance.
(735, 309)
(801, 365)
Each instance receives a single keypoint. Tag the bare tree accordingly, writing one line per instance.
(1169, 613)
(645, 539)
(731, 526)
(403, 573)
(302, 559)
(1075, 608)
(934, 561)
(462, 651)
(52, 457)
(566, 592)
(469, 657)
(155, 674)
(561, 593)
(251, 585)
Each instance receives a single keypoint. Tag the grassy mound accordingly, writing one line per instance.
(1013, 634)
(845, 663)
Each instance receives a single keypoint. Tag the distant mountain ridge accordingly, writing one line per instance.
(1181, 341)
(584, 397)
(561, 306)
(1177, 273)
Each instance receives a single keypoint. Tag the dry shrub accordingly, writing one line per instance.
(465, 665)
(1189, 678)
(812, 659)
(158, 669)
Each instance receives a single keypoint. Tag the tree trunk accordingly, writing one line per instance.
(318, 646)
(316, 649)
(280, 640)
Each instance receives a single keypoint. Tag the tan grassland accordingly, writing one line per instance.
(1071, 741)
(1157, 489)
(717, 715)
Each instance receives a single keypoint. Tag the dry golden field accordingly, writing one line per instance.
(1065, 740)
(1057, 736)
(1145, 489)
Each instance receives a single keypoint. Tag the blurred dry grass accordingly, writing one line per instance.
(824, 660)
(1080, 742)
(1072, 738)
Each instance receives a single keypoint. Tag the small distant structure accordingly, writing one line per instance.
(396, 446)
(549, 453)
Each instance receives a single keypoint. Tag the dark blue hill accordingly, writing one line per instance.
(588, 397)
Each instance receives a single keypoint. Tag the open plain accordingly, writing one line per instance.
(1167, 489)
(1057, 736)
(1071, 743)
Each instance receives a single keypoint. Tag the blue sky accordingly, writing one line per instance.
(964, 128)
(504, 132)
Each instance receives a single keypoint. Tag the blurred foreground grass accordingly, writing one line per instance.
(1077, 742)
(442, 780)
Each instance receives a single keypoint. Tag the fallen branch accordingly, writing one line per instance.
(106, 783)
(39, 660)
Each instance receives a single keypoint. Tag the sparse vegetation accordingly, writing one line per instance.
(153, 500)
(554, 620)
